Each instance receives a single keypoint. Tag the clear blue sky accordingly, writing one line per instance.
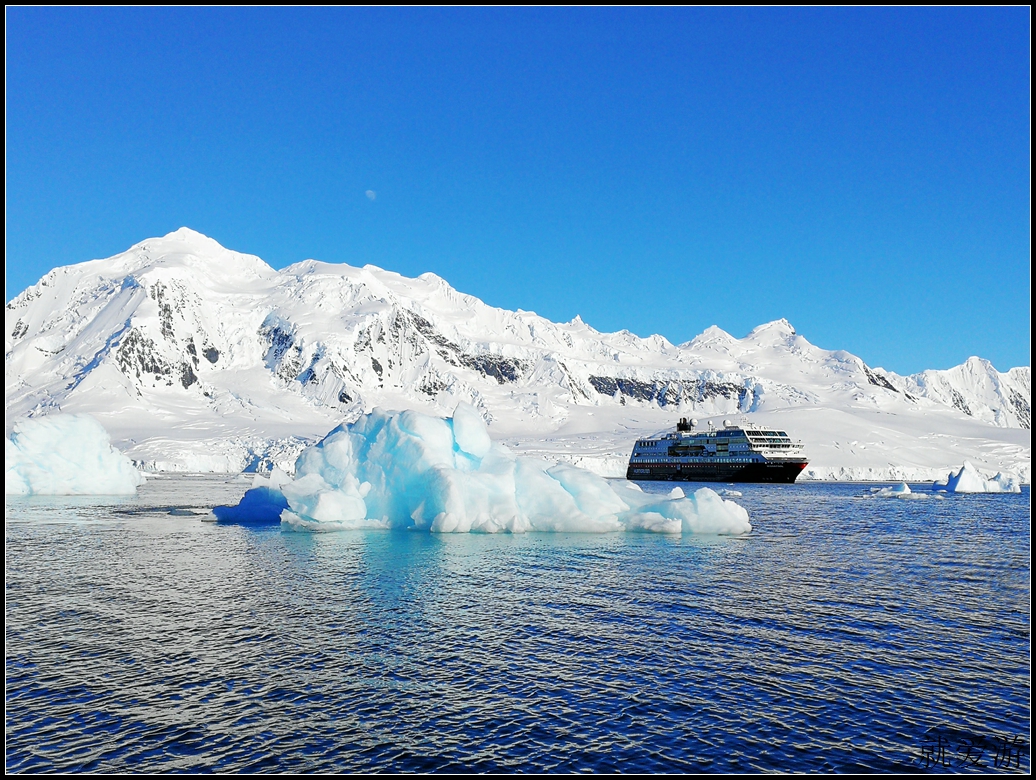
(862, 172)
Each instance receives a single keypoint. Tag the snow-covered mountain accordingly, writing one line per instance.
(196, 357)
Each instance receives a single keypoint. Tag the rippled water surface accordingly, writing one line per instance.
(140, 638)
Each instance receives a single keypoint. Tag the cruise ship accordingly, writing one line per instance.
(734, 453)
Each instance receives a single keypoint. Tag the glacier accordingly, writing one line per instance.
(407, 470)
(198, 358)
(65, 454)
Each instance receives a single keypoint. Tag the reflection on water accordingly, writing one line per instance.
(831, 638)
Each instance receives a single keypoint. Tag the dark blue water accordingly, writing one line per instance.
(830, 639)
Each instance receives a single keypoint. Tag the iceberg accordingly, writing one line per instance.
(969, 480)
(65, 454)
(262, 503)
(902, 490)
(898, 491)
(414, 471)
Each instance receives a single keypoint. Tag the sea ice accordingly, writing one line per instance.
(65, 454)
(969, 480)
(410, 470)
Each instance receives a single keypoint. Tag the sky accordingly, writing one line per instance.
(863, 173)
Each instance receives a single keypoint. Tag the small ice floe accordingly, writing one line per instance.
(902, 490)
(409, 470)
(969, 480)
(730, 493)
(66, 454)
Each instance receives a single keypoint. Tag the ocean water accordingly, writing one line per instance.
(845, 633)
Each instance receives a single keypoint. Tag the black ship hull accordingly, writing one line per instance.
(782, 471)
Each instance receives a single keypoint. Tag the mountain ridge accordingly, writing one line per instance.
(179, 328)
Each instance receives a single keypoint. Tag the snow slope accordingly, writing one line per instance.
(199, 358)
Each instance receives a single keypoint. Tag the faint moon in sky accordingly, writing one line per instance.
(371, 195)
